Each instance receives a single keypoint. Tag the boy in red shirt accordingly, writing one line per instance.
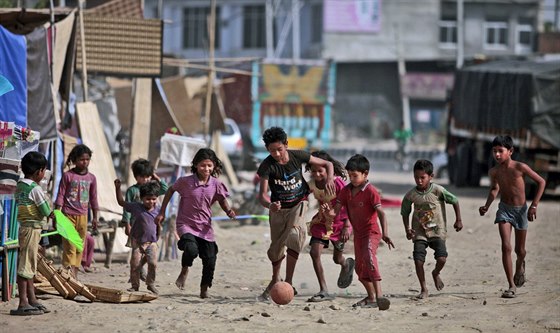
(363, 204)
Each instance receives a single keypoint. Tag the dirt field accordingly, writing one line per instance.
(470, 301)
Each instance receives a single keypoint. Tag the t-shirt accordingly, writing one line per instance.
(76, 193)
(133, 195)
(361, 209)
(144, 228)
(194, 215)
(286, 181)
(32, 204)
(428, 218)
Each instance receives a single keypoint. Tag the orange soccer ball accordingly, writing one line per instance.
(282, 293)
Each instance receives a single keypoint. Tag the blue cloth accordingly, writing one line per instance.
(515, 215)
(13, 65)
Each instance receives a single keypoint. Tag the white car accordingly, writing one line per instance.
(232, 142)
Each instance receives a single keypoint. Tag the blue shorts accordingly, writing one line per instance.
(515, 215)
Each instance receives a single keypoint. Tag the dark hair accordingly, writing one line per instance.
(424, 165)
(338, 168)
(274, 134)
(357, 162)
(33, 162)
(207, 154)
(76, 152)
(142, 168)
(150, 188)
(503, 140)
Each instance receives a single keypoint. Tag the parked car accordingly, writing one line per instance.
(232, 142)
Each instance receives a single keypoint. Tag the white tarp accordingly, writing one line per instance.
(179, 150)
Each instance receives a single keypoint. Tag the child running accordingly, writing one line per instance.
(325, 227)
(143, 172)
(363, 204)
(281, 172)
(77, 193)
(33, 207)
(429, 222)
(194, 216)
(507, 179)
(144, 233)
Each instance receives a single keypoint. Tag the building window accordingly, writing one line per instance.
(448, 33)
(317, 23)
(254, 27)
(524, 38)
(195, 28)
(496, 34)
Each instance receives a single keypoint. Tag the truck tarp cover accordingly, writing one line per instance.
(509, 96)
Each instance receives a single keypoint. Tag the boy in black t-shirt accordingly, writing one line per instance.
(281, 172)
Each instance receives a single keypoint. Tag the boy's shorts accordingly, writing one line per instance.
(287, 229)
(28, 238)
(437, 244)
(338, 245)
(514, 215)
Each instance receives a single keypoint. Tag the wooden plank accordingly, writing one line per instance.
(141, 119)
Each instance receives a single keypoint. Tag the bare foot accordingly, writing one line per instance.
(423, 294)
(437, 280)
(180, 282)
(204, 292)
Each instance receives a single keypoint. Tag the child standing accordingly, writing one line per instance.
(281, 172)
(143, 173)
(144, 233)
(77, 193)
(429, 222)
(363, 204)
(194, 216)
(33, 207)
(507, 179)
(325, 227)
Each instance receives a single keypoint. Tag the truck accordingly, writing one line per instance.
(520, 98)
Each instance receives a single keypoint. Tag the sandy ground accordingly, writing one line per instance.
(470, 301)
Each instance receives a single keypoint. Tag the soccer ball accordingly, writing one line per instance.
(282, 293)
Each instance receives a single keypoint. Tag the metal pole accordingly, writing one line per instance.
(269, 29)
(460, 34)
(83, 43)
(295, 30)
(211, 73)
(556, 10)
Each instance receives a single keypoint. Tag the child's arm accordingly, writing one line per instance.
(384, 229)
(264, 199)
(164, 203)
(458, 225)
(494, 190)
(541, 185)
(330, 186)
(225, 206)
(407, 229)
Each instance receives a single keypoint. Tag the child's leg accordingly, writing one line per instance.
(31, 298)
(189, 246)
(505, 235)
(22, 292)
(419, 255)
(316, 249)
(440, 253)
(134, 266)
(208, 254)
(150, 256)
(291, 261)
(520, 238)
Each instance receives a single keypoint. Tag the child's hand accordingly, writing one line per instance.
(231, 214)
(275, 206)
(389, 242)
(532, 213)
(410, 233)
(117, 183)
(159, 218)
(458, 225)
(482, 210)
(345, 235)
(127, 229)
(94, 224)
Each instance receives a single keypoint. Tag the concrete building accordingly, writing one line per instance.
(395, 58)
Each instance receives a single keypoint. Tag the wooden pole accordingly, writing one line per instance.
(82, 4)
(212, 71)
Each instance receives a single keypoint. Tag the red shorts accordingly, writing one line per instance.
(366, 260)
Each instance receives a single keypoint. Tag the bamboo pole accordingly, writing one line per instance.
(212, 71)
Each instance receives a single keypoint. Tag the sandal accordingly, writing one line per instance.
(345, 276)
(41, 307)
(365, 303)
(320, 297)
(510, 293)
(26, 311)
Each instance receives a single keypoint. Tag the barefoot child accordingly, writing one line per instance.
(281, 172)
(33, 207)
(363, 204)
(507, 178)
(325, 227)
(77, 193)
(194, 225)
(144, 233)
(429, 222)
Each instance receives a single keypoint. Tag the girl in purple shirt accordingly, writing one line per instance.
(194, 216)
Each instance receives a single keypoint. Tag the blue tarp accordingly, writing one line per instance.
(13, 65)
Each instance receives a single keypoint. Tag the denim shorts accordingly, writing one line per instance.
(514, 215)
